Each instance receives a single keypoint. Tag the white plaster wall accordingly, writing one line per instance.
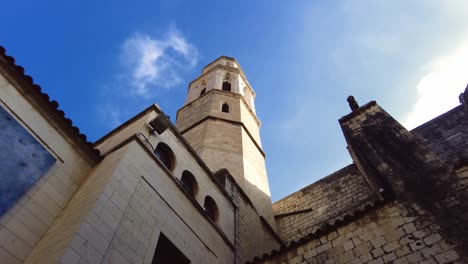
(26, 222)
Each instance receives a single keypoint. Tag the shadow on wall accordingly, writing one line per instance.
(251, 226)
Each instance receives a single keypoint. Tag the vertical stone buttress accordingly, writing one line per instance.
(218, 119)
(400, 165)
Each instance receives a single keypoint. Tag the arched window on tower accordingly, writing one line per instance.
(226, 86)
(165, 155)
(211, 208)
(203, 91)
(225, 108)
(189, 183)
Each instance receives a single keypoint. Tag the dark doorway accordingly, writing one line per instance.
(168, 253)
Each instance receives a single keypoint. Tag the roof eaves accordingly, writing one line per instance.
(48, 108)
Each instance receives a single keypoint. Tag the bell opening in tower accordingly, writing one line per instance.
(226, 86)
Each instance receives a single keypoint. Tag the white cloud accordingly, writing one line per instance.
(445, 78)
(152, 63)
(110, 113)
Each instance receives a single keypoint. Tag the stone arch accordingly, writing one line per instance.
(165, 155)
(211, 208)
(225, 108)
(189, 182)
(226, 86)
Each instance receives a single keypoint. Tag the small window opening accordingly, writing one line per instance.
(189, 183)
(226, 86)
(225, 108)
(168, 253)
(203, 91)
(165, 155)
(211, 208)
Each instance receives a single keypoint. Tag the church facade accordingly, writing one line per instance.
(197, 192)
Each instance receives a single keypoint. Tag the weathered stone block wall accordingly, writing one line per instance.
(251, 122)
(184, 160)
(405, 167)
(447, 135)
(209, 105)
(322, 202)
(253, 237)
(146, 217)
(119, 213)
(59, 236)
(220, 147)
(395, 233)
(223, 144)
(28, 220)
(157, 205)
(255, 179)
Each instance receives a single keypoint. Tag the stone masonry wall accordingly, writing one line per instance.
(184, 160)
(447, 135)
(223, 144)
(118, 215)
(256, 180)
(157, 205)
(321, 202)
(395, 233)
(249, 228)
(210, 105)
(407, 168)
(23, 225)
(60, 234)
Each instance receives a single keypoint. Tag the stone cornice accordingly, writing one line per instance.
(229, 69)
(224, 93)
(227, 121)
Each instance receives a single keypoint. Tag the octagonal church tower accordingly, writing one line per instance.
(218, 119)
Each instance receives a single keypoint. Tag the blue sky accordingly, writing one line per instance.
(105, 61)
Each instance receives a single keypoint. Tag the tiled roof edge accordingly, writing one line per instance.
(25, 84)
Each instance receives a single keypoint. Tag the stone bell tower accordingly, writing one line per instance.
(218, 119)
